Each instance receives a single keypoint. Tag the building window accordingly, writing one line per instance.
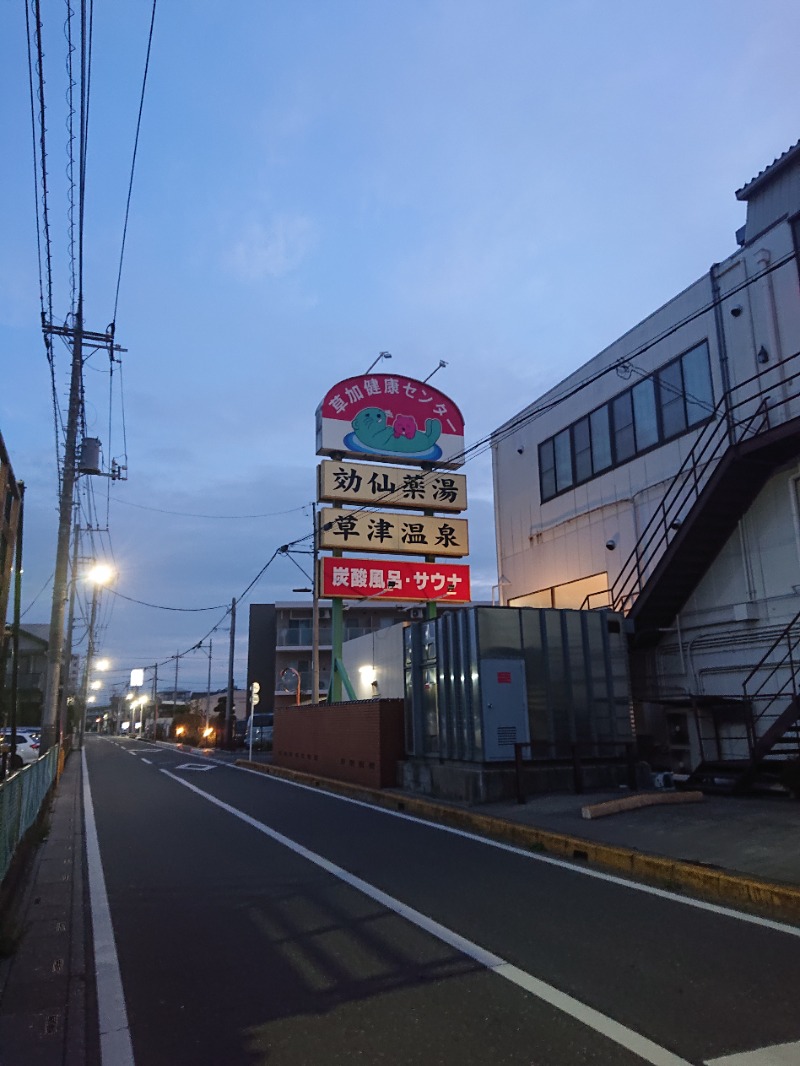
(582, 440)
(563, 460)
(601, 440)
(622, 417)
(547, 469)
(673, 400)
(645, 415)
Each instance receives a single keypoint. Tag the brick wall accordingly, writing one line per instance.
(359, 742)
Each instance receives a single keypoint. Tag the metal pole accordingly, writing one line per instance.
(86, 666)
(208, 689)
(175, 690)
(155, 702)
(15, 636)
(229, 709)
(315, 613)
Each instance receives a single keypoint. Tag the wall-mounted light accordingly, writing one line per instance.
(737, 310)
(521, 449)
(763, 355)
(611, 544)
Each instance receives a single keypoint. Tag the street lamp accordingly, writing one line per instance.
(99, 575)
(383, 355)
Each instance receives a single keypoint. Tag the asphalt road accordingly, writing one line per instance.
(260, 922)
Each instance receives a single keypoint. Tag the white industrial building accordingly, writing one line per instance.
(661, 480)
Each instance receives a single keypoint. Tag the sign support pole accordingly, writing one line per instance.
(337, 639)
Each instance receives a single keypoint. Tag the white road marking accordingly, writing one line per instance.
(777, 1055)
(581, 1012)
(115, 1037)
(193, 766)
(148, 761)
(564, 864)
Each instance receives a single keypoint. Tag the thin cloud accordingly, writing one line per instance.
(272, 250)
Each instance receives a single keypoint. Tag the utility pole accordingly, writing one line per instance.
(229, 709)
(55, 647)
(55, 644)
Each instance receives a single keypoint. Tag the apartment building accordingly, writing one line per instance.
(281, 645)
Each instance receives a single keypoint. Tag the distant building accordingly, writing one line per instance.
(10, 500)
(662, 479)
(10, 504)
(281, 645)
(32, 673)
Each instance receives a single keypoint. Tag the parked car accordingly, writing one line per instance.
(27, 747)
(260, 726)
(239, 730)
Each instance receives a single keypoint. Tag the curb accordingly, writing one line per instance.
(766, 898)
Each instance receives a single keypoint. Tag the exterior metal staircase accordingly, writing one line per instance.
(767, 754)
(753, 429)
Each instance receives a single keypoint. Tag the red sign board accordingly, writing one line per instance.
(391, 418)
(388, 579)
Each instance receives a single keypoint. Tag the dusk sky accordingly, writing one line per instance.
(507, 186)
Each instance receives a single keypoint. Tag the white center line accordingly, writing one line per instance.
(777, 1055)
(581, 1012)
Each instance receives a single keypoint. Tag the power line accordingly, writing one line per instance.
(222, 517)
(160, 607)
(133, 160)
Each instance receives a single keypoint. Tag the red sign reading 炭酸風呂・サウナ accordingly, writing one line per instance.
(394, 580)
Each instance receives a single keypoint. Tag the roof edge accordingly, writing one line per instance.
(769, 172)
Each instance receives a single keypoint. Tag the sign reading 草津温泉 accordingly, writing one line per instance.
(391, 486)
(385, 531)
(388, 417)
(386, 579)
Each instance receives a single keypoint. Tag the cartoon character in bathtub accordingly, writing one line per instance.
(376, 430)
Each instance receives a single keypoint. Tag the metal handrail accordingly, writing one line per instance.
(769, 665)
(723, 430)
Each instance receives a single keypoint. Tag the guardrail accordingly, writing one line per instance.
(21, 798)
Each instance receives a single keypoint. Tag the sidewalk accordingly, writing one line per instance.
(747, 836)
(43, 984)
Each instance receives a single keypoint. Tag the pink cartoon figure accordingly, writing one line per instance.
(404, 426)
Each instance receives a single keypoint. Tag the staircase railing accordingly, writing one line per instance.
(744, 412)
(773, 681)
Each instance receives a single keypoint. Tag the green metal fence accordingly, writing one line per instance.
(21, 799)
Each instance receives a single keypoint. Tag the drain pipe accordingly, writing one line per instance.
(722, 347)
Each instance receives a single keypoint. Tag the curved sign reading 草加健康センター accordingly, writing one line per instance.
(385, 416)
